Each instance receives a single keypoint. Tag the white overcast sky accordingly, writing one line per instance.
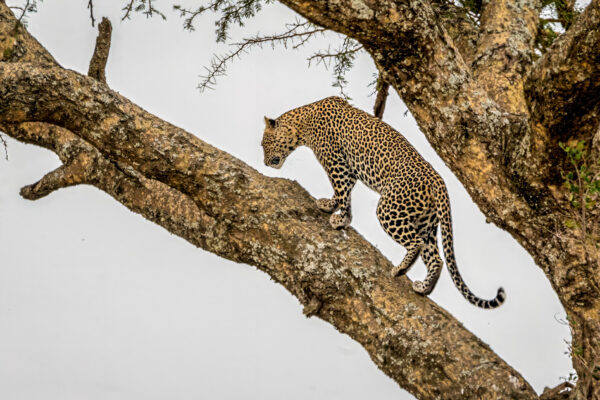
(98, 303)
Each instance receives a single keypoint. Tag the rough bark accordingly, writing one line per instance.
(564, 86)
(222, 205)
(492, 117)
(493, 114)
(100, 56)
(382, 93)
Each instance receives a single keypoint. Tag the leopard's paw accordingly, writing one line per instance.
(420, 288)
(327, 205)
(339, 222)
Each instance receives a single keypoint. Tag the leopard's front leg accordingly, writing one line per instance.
(342, 181)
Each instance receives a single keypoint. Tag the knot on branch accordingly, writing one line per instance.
(100, 56)
(312, 307)
(311, 302)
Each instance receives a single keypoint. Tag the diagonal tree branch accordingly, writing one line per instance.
(270, 223)
(222, 205)
(84, 164)
(505, 159)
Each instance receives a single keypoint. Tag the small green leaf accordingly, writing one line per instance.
(574, 188)
(563, 146)
(569, 223)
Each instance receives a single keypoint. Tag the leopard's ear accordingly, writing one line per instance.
(270, 123)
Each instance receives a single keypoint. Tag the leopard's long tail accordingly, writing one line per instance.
(443, 214)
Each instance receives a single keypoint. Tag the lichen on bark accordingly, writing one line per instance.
(491, 112)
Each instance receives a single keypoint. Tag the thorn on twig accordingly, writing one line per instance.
(382, 94)
(100, 56)
(5, 147)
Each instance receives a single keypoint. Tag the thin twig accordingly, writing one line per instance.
(148, 9)
(91, 7)
(219, 63)
(328, 56)
(128, 8)
(148, 12)
(343, 59)
(231, 12)
(151, 11)
(24, 10)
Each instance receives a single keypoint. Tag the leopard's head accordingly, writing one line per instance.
(279, 140)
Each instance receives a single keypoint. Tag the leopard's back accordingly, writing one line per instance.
(353, 145)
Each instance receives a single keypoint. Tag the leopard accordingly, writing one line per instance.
(351, 144)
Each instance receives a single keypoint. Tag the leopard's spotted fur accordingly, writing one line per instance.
(351, 144)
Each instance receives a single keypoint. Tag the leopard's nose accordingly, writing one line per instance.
(275, 160)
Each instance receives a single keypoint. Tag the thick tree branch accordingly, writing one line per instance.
(564, 85)
(460, 25)
(152, 199)
(22, 46)
(222, 205)
(270, 223)
(503, 158)
(505, 50)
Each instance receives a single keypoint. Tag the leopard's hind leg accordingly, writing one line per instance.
(395, 218)
(430, 255)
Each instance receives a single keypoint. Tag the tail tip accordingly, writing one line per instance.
(501, 294)
(500, 297)
(494, 303)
